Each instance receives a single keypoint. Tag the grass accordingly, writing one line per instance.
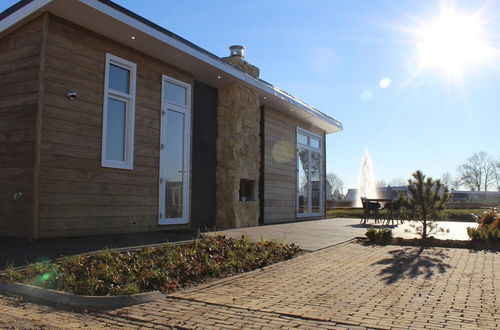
(451, 214)
(165, 268)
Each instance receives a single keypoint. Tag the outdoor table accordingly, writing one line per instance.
(377, 200)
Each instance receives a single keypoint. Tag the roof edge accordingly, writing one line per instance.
(188, 47)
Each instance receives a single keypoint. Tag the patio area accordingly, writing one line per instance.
(319, 234)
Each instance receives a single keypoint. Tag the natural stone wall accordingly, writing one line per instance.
(238, 155)
(240, 63)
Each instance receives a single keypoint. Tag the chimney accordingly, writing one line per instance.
(236, 58)
(237, 50)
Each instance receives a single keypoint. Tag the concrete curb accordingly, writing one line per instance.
(59, 298)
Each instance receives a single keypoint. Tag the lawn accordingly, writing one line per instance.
(451, 214)
(166, 268)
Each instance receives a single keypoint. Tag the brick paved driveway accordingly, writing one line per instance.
(348, 286)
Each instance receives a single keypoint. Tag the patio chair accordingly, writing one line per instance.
(370, 208)
(393, 211)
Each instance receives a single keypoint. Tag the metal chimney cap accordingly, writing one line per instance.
(237, 50)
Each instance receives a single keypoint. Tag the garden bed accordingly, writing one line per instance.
(166, 268)
(434, 242)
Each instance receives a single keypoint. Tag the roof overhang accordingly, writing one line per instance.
(108, 19)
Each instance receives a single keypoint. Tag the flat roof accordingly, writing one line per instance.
(118, 23)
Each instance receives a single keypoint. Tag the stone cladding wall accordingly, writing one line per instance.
(238, 155)
(241, 64)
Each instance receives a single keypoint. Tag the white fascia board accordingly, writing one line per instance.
(21, 13)
(270, 90)
(228, 69)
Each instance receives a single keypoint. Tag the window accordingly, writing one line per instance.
(118, 113)
(309, 174)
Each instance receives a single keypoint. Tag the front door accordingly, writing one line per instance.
(175, 152)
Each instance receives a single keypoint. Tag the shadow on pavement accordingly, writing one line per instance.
(20, 252)
(359, 225)
(413, 262)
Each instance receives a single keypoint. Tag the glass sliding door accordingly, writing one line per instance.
(174, 153)
(310, 184)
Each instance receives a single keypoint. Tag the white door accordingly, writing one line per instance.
(175, 152)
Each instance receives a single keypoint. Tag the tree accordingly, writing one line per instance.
(497, 174)
(451, 182)
(478, 172)
(336, 182)
(381, 183)
(425, 199)
(396, 182)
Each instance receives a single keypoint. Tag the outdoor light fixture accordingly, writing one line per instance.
(17, 195)
(71, 94)
(218, 77)
(132, 37)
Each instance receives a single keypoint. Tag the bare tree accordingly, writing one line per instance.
(446, 179)
(381, 183)
(478, 171)
(336, 182)
(496, 174)
(399, 181)
(449, 181)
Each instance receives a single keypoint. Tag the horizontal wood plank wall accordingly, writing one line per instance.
(280, 165)
(19, 72)
(77, 195)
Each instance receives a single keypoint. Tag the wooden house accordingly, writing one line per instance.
(110, 123)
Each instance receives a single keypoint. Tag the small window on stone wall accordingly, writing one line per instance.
(247, 191)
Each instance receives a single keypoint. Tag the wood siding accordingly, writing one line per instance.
(19, 95)
(77, 195)
(280, 165)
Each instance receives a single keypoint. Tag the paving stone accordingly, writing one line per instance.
(344, 286)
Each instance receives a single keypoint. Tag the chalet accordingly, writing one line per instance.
(110, 123)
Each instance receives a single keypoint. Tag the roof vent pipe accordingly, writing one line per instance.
(237, 50)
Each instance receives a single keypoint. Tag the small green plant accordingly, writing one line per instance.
(382, 235)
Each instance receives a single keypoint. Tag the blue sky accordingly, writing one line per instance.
(333, 54)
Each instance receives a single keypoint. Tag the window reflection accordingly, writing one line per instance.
(174, 164)
(175, 93)
(309, 174)
(315, 182)
(303, 182)
(115, 130)
(119, 79)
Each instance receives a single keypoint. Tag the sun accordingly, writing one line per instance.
(452, 42)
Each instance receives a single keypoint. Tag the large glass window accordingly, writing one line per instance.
(119, 113)
(309, 174)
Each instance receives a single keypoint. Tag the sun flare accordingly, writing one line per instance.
(452, 42)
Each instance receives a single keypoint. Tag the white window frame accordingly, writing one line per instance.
(129, 99)
(321, 173)
(186, 110)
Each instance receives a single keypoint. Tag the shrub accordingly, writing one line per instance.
(382, 235)
(496, 224)
(487, 234)
(487, 218)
